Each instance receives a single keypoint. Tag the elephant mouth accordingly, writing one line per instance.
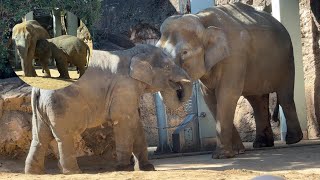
(178, 93)
(178, 87)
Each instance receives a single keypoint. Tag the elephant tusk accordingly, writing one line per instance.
(185, 80)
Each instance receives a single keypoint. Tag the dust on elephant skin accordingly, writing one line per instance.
(109, 91)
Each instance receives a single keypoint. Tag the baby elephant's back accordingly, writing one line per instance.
(71, 45)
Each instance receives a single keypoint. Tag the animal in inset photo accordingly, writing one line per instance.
(65, 50)
(25, 36)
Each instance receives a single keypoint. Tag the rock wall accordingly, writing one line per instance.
(15, 117)
(310, 34)
(264, 5)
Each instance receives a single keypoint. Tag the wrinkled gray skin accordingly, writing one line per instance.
(235, 50)
(64, 49)
(123, 76)
(25, 36)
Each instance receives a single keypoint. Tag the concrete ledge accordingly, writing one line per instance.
(248, 146)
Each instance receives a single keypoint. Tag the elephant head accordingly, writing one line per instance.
(160, 73)
(194, 47)
(25, 36)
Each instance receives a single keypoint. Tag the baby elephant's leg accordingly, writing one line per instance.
(62, 67)
(140, 149)
(82, 70)
(67, 155)
(123, 133)
(41, 137)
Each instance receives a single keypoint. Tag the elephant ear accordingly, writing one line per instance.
(216, 46)
(140, 69)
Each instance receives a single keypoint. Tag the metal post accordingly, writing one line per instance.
(29, 16)
(162, 122)
(72, 24)
(56, 22)
(283, 124)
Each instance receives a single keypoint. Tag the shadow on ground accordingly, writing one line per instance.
(273, 160)
(295, 158)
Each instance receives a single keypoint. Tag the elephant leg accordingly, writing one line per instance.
(67, 154)
(28, 68)
(41, 137)
(62, 66)
(228, 91)
(294, 132)
(124, 135)
(31, 51)
(140, 149)
(227, 102)
(45, 68)
(81, 70)
(264, 134)
(211, 101)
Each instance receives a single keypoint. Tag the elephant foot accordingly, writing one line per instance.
(47, 76)
(33, 170)
(263, 141)
(77, 171)
(238, 147)
(223, 154)
(132, 160)
(129, 167)
(147, 167)
(64, 77)
(292, 138)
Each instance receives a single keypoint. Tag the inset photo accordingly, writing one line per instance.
(51, 47)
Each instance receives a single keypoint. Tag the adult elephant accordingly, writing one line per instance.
(235, 50)
(25, 36)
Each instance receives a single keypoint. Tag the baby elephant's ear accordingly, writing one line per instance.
(141, 70)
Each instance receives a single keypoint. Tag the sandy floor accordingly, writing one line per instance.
(49, 83)
(289, 163)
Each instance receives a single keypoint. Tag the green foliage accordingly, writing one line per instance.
(88, 11)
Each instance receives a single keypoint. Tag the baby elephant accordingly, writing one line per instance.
(64, 49)
(110, 90)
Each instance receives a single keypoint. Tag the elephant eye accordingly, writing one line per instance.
(185, 52)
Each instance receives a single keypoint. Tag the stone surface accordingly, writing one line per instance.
(15, 117)
(310, 36)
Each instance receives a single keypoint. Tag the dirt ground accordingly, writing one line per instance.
(289, 163)
(49, 83)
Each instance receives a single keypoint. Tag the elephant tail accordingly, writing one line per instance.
(88, 55)
(36, 112)
(35, 94)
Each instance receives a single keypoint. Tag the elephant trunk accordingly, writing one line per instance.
(26, 61)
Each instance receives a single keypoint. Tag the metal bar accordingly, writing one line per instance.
(283, 124)
(162, 122)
